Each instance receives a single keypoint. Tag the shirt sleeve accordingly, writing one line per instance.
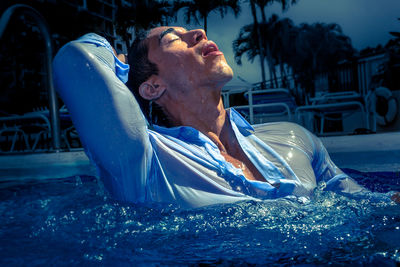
(326, 171)
(107, 117)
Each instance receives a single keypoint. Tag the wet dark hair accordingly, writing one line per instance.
(141, 68)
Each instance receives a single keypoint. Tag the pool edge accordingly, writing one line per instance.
(346, 151)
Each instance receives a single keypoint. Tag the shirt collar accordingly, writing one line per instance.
(186, 132)
(244, 127)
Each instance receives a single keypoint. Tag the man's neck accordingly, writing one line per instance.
(215, 124)
(205, 113)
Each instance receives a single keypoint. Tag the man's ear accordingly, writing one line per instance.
(152, 89)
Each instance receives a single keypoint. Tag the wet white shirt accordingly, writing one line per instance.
(180, 165)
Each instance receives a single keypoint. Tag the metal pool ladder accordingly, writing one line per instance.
(43, 29)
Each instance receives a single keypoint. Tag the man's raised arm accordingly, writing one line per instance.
(107, 117)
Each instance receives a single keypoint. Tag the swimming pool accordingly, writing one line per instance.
(72, 221)
(374, 152)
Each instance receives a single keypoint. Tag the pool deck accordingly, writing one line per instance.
(45, 165)
(374, 152)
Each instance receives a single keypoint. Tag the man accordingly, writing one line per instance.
(207, 154)
(187, 85)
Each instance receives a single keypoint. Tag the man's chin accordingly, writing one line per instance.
(224, 72)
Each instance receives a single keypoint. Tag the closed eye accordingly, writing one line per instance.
(173, 40)
(170, 38)
(169, 35)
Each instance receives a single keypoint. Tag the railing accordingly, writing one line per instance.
(352, 75)
(43, 29)
(283, 93)
(340, 103)
(17, 126)
(274, 102)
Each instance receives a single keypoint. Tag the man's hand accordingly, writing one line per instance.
(122, 57)
(396, 197)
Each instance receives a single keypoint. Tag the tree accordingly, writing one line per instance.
(263, 3)
(246, 43)
(263, 48)
(396, 36)
(269, 41)
(196, 10)
(259, 42)
(281, 38)
(306, 50)
(141, 15)
(319, 47)
(277, 40)
(391, 72)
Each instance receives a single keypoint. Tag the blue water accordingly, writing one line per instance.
(74, 222)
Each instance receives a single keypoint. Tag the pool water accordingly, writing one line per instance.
(72, 221)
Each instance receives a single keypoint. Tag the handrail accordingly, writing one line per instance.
(251, 106)
(43, 28)
(266, 105)
(322, 107)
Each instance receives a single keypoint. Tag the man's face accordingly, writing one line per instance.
(187, 59)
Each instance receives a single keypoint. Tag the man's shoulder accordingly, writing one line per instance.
(278, 127)
(285, 133)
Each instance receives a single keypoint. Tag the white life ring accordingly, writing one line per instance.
(386, 106)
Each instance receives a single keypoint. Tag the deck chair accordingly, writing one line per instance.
(68, 131)
(26, 129)
(263, 105)
(333, 106)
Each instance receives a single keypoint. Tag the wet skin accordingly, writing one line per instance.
(192, 72)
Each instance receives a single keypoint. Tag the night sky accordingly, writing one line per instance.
(366, 22)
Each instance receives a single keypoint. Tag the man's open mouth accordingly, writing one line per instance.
(209, 49)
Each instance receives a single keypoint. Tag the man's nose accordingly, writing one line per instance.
(196, 36)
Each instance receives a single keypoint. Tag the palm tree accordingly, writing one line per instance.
(269, 41)
(140, 15)
(263, 3)
(246, 43)
(258, 43)
(196, 10)
(265, 50)
(281, 40)
(253, 41)
(276, 40)
(306, 50)
(319, 47)
(396, 35)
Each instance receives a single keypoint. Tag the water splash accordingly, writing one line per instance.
(69, 222)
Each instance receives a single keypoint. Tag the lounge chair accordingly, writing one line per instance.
(262, 105)
(334, 106)
(26, 129)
